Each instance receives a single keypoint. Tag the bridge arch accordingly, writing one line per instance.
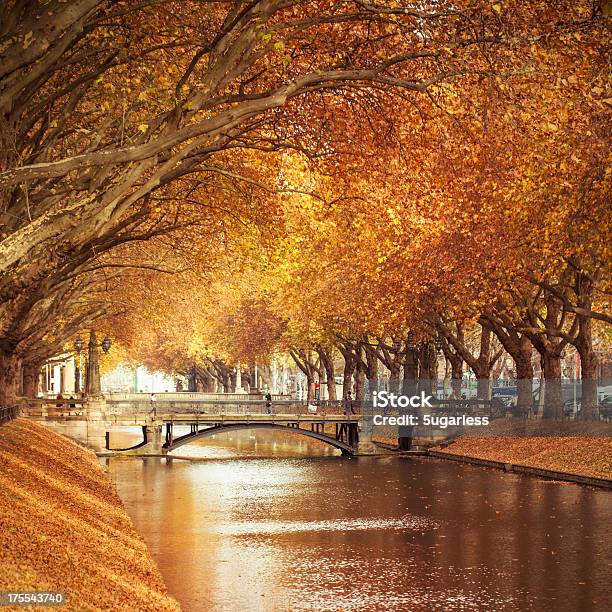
(217, 429)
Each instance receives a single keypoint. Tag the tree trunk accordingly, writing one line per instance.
(226, 382)
(524, 374)
(332, 396)
(455, 361)
(327, 362)
(359, 384)
(310, 388)
(588, 398)
(411, 371)
(303, 362)
(588, 370)
(483, 386)
(246, 380)
(394, 375)
(10, 372)
(349, 369)
(520, 348)
(30, 376)
(550, 348)
(191, 380)
(428, 366)
(481, 365)
(433, 370)
(553, 398)
(456, 376)
(584, 289)
(372, 370)
(446, 381)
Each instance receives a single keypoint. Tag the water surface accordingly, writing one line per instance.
(306, 529)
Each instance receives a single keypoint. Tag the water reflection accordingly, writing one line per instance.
(329, 533)
(256, 443)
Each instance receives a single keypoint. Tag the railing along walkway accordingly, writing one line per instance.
(8, 413)
(53, 406)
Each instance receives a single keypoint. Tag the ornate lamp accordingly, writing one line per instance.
(106, 344)
(79, 345)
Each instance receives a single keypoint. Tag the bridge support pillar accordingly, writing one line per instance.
(365, 447)
(95, 408)
(154, 438)
(154, 446)
(96, 433)
(364, 444)
(96, 424)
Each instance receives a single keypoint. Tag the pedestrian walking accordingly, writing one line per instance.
(348, 404)
(60, 404)
(269, 402)
(153, 402)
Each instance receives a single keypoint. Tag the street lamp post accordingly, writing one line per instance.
(438, 343)
(92, 381)
(79, 345)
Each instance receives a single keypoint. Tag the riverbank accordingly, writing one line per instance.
(584, 456)
(63, 527)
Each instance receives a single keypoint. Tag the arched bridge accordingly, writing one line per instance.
(92, 423)
(159, 433)
(346, 436)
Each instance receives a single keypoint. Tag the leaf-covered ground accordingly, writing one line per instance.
(63, 527)
(588, 456)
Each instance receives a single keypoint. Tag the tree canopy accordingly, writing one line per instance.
(221, 180)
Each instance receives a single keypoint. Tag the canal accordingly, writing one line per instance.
(272, 521)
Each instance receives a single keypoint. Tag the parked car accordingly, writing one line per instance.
(605, 408)
(570, 410)
(508, 400)
(506, 391)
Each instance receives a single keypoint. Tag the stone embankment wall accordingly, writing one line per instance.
(584, 457)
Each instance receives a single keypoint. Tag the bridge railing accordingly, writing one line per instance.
(196, 396)
(52, 406)
(233, 407)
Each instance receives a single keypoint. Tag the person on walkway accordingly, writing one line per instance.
(348, 404)
(153, 402)
(269, 402)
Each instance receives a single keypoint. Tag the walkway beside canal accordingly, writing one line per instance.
(64, 529)
(580, 459)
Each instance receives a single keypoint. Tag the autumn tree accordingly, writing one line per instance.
(428, 134)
